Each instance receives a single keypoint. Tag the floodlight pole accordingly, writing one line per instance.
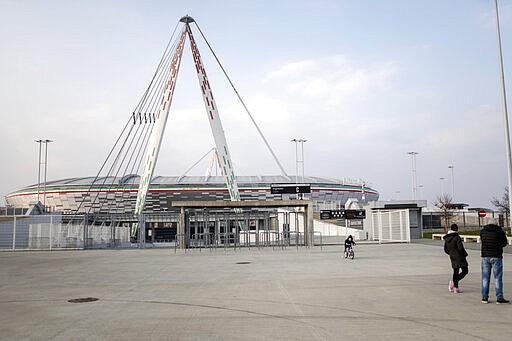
(413, 161)
(45, 169)
(505, 114)
(302, 157)
(39, 170)
(453, 184)
(297, 160)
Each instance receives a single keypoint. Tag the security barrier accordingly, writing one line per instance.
(202, 231)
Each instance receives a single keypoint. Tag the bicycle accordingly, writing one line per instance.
(349, 253)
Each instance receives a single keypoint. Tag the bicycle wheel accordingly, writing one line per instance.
(351, 255)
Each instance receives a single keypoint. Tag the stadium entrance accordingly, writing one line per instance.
(241, 230)
(200, 224)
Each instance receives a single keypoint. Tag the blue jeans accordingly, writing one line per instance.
(496, 265)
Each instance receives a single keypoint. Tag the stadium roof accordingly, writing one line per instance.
(133, 179)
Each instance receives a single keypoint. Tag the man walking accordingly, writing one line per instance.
(493, 239)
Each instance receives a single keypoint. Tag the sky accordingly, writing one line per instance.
(363, 81)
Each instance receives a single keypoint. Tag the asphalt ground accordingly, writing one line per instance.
(388, 292)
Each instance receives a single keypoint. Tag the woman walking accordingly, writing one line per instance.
(454, 247)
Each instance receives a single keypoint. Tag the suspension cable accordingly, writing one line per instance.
(243, 103)
(127, 152)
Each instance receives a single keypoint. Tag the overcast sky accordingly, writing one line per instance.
(364, 81)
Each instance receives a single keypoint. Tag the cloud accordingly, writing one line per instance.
(291, 70)
(332, 80)
(331, 101)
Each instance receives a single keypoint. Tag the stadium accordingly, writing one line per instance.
(118, 195)
(126, 194)
(105, 206)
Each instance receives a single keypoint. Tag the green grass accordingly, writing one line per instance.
(427, 235)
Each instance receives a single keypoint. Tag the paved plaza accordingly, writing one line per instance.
(388, 292)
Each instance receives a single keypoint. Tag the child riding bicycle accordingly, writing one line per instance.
(349, 242)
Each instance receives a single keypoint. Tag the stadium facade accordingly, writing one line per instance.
(119, 194)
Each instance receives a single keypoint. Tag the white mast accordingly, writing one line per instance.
(222, 151)
(221, 144)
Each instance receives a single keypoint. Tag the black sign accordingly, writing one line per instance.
(290, 188)
(355, 214)
(342, 214)
(325, 214)
(332, 214)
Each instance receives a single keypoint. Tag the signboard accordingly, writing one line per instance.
(289, 188)
(355, 214)
(332, 214)
(481, 213)
(325, 214)
(342, 214)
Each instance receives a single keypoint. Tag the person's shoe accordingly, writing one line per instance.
(450, 286)
(502, 301)
(485, 300)
(457, 290)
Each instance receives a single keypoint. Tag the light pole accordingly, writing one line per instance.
(442, 185)
(420, 192)
(302, 158)
(505, 114)
(413, 161)
(453, 184)
(39, 169)
(45, 169)
(297, 160)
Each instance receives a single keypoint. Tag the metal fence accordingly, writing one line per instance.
(467, 221)
(57, 231)
(49, 232)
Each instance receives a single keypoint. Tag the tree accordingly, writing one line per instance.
(444, 203)
(502, 204)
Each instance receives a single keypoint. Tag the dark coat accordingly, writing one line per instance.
(492, 239)
(454, 247)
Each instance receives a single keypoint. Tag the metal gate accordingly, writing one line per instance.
(391, 226)
(203, 229)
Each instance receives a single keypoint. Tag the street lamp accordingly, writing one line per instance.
(46, 141)
(505, 114)
(453, 184)
(442, 187)
(413, 161)
(420, 191)
(297, 160)
(39, 169)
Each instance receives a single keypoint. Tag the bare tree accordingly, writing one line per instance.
(502, 204)
(445, 204)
